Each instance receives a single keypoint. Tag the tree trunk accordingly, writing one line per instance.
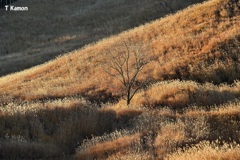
(128, 95)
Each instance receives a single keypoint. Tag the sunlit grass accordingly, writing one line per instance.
(210, 55)
(208, 150)
(70, 106)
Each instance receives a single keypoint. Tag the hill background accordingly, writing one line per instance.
(200, 44)
(51, 28)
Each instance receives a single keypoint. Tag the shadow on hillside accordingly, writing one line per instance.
(97, 25)
(54, 133)
(48, 133)
(6, 2)
(162, 133)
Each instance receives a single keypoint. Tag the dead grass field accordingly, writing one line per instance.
(52, 28)
(208, 55)
(188, 109)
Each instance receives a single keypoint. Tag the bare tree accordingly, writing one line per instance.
(124, 63)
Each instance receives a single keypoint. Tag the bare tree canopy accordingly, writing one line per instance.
(125, 63)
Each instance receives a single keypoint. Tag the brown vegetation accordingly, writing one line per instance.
(104, 149)
(207, 150)
(178, 94)
(178, 51)
(43, 111)
(52, 28)
(166, 135)
(62, 124)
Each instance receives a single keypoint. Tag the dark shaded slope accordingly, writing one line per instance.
(50, 28)
(6, 2)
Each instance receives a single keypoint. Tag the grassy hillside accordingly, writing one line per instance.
(51, 28)
(188, 107)
(195, 44)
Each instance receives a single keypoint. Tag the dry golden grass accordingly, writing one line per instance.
(196, 125)
(51, 28)
(166, 135)
(62, 124)
(200, 43)
(131, 156)
(169, 137)
(104, 149)
(227, 109)
(208, 151)
(179, 94)
(178, 51)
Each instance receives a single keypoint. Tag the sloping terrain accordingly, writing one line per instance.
(188, 106)
(196, 44)
(51, 28)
